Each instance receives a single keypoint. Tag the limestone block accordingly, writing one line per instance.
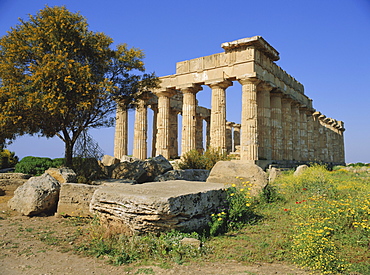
(237, 171)
(129, 170)
(158, 206)
(273, 174)
(187, 174)
(38, 195)
(300, 169)
(62, 175)
(163, 164)
(74, 199)
(9, 182)
(109, 160)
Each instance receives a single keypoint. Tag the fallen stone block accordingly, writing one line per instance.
(186, 174)
(38, 195)
(63, 175)
(74, 199)
(158, 206)
(239, 172)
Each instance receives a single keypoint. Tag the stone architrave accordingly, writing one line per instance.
(163, 122)
(276, 126)
(229, 136)
(189, 118)
(264, 121)
(249, 125)
(218, 114)
(121, 130)
(287, 128)
(236, 135)
(140, 130)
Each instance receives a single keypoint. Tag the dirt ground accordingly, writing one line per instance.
(26, 246)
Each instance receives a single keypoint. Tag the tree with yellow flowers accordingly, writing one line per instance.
(57, 78)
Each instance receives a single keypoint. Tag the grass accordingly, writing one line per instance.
(318, 220)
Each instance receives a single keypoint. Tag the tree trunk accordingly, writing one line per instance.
(68, 153)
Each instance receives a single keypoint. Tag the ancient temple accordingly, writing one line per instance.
(278, 124)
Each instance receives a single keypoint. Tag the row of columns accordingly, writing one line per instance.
(273, 126)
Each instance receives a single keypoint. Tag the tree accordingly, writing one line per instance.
(57, 78)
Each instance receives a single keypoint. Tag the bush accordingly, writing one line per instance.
(237, 212)
(195, 160)
(37, 165)
(7, 159)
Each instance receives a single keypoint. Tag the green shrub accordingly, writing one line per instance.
(238, 210)
(37, 165)
(7, 159)
(195, 160)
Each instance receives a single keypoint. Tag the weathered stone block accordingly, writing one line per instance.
(237, 171)
(109, 160)
(62, 175)
(74, 199)
(186, 174)
(38, 195)
(158, 206)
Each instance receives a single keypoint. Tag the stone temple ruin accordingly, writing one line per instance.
(278, 123)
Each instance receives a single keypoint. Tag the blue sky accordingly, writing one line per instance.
(323, 44)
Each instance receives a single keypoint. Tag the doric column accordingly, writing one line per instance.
(199, 134)
(264, 121)
(189, 118)
(276, 126)
(303, 139)
(140, 130)
(316, 136)
(341, 141)
(154, 107)
(324, 156)
(218, 114)
(287, 128)
(229, 136)
(163, 122)
(310, 136)
(208, 132)
(296, 131)
(236, 136)
(174, 150)
(121, 131)
(249, 136)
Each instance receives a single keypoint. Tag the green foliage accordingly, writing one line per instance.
(196, 160)
(37, 165)
(58, 78)
(7, 159)
(121, 249)
(239, 210)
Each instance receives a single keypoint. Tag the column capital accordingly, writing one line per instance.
(265, 86)
(249, 80)
(236, 126)
(229, 124)
(168, 92)
(221, 84)
(193, 88)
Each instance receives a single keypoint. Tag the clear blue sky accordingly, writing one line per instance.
(324, 44)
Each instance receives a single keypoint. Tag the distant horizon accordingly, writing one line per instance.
(322, 44)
